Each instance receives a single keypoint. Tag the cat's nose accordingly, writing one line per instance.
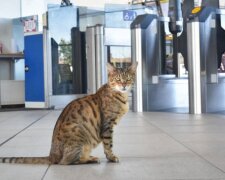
(124, 87)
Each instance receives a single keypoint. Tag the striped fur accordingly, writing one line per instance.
(88, 121)
(25, 160)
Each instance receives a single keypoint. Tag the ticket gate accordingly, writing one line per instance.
(206, 32)
(153, 90)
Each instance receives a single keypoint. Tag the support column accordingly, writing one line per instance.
(194, 68)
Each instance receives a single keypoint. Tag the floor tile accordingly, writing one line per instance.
(138, 168)
(151, 146)
(22, 172)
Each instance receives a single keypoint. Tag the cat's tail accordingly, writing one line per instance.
(25, 160)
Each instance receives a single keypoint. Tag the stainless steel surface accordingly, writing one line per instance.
(96, 63)
(99, 51)
(45, 60)
(194, 68)
(208, 59)
(169, 93)
(154, 92)
(216, 95)
(208, 51)
(137, 56)
(90, 43)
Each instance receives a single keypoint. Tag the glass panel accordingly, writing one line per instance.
(61, 21)
(90, 17)
(120, 56)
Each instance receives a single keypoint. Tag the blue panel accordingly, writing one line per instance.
(129, 15)
(34, 77)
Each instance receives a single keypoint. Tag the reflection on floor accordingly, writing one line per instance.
(151, 146)
(183, 110)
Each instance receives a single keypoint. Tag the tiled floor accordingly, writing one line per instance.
(151, 146)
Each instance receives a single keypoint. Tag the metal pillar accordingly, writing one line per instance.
(136, 42)
(99, 52)
(96, 70)
(194, 68)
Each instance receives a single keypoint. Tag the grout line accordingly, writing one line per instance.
(42, 178)
(7, 140)
(197, 154)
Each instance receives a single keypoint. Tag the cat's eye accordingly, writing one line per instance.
(129, 78)
(117, 79)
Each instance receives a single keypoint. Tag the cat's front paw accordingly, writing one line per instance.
(113, 158)
(94, 160)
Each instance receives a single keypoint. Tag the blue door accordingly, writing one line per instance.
(34, 69)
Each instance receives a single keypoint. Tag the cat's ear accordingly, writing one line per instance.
(110, 68)
(133, 67)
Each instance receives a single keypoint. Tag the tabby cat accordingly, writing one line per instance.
(88, 121)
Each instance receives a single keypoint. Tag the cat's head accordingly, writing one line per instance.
(121, 79)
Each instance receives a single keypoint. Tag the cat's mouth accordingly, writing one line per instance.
(124, 89)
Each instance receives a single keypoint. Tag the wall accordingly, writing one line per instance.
(5, 70)
(6, 37)
(10, 9)
(19, 73)
(18, 33)
(11, 35)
